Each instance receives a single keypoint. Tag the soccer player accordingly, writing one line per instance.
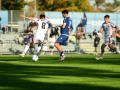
(40, 33)
(107, 27)
(62, 40)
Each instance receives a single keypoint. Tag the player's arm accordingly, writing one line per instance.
(29, 18)
(101, 30)
(63, 26)
(64, 23)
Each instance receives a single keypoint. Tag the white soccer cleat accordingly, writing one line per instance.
(21, 55)
(62, 58)
(99, 58)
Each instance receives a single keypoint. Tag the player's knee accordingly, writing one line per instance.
(56, 44)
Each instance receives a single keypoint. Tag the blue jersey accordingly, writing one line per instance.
(26, 40)
(68, 22)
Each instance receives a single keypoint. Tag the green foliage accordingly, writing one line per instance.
(12, 4)
(58, 5)
(111, 6)
(99, 2)
(116, 3)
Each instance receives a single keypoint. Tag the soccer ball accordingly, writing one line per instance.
(35, 58)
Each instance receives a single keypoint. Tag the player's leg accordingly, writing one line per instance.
(106, 42)
(25, 49)
(112, 47)
(102, 52)
(42, 40)
(39, 48)
(62, 40)
(51, 49)
(59, 48)
(95, 51)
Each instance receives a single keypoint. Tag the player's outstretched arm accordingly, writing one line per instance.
(30, 18)
(100, 31)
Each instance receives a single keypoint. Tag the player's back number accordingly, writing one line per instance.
(43, 25)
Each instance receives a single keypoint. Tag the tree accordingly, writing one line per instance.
(84, 5)
(116, 3)
(111, 6)
(12, 4)
(59, 5)
(99, 2)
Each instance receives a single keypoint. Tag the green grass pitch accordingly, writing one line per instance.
(76, 72)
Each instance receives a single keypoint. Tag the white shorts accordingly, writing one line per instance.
(40, 37)
(108, 40)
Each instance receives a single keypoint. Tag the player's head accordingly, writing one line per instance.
(42, 16)
(106, 18)
(65, 13)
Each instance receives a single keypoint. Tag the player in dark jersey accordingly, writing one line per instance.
(62, 40)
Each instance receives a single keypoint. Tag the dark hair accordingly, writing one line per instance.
(106, 16)
(65, 11)
(42, 16)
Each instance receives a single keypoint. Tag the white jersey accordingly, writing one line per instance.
(108, 32)
(108, 29)
(42, 29)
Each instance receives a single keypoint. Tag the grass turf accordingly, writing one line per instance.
(77, 72)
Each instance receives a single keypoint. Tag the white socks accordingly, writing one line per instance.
(38, 49)
(26, 49)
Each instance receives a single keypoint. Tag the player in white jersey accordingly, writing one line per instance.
(107, 27)
(40, 33)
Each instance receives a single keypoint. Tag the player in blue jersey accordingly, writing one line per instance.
(62, 40)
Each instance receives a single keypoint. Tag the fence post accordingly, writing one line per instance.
(11, 20)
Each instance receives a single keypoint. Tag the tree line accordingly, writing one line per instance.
(59, 5)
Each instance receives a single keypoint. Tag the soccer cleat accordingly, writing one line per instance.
(21, 55)
(62, 58)
(99, 58)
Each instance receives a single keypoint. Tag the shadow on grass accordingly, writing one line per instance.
(18, 76)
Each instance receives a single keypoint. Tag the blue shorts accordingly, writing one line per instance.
(62, 40)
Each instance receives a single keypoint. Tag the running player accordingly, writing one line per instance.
(107, 27)
(62, 40)
(40, 33)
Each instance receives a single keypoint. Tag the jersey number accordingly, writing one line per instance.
(43, 25)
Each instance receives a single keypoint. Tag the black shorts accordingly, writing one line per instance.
(51, 47)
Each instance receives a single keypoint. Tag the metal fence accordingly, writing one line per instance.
(94, 20)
